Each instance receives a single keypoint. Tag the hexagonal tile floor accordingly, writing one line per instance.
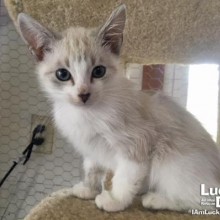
(20, 98)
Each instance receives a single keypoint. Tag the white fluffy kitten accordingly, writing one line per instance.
(151, 144)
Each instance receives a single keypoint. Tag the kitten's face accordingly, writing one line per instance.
(78, 68)
(80, 65)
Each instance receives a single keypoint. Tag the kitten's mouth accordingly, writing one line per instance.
(78, 101)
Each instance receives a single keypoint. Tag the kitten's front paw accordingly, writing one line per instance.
(83, 192)
(155, 201)
(108, 203)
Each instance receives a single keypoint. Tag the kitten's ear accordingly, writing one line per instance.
(111, 33)
(35, 35)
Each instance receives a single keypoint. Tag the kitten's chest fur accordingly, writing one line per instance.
(88, 133)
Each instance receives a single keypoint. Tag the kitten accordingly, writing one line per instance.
(152, 145)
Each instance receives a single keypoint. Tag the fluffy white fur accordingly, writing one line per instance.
(151, 144)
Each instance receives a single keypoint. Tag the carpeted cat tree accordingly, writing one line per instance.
(157, 31)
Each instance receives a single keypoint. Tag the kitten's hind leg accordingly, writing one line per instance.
(154, 200)
(126, 183)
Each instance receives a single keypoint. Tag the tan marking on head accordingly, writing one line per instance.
(67, 62)
(83, 89)
(93, 59)
(80, 43)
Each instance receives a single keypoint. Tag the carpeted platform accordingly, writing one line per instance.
(157, 31)
(62, 207)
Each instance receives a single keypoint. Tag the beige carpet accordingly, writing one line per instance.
(60, 207)
(157, 31)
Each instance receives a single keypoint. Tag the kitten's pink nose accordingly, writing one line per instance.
(84, 97)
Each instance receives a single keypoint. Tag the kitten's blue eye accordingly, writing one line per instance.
(63, 75)
(98, 72)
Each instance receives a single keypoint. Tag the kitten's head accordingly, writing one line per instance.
(78, 65)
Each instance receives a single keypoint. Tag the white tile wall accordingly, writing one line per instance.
(20, 97)
(134, 72)
(176, 82)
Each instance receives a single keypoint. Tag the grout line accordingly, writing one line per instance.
(6, 210)
(173, 79)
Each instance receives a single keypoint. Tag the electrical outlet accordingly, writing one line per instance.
(47, 146)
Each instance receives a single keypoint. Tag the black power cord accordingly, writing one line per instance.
(26, 154)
